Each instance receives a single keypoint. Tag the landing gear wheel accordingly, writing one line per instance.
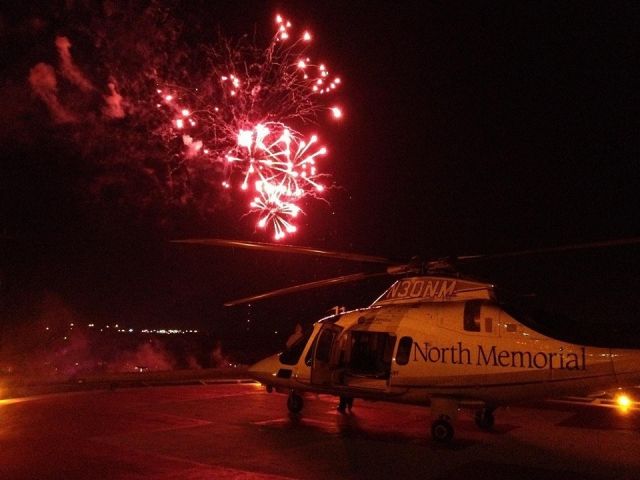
(442, 431)
(295, 403)
(484, 418)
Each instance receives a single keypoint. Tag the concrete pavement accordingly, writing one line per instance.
(238, 431)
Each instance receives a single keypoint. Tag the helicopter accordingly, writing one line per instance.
(434, 338)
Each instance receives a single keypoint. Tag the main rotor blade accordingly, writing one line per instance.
(562, 248)
(306, 286)
(273, 247)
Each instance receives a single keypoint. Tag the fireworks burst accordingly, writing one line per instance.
(241, 120)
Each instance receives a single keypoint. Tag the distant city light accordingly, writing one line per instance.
(116, 327)
(168, 331)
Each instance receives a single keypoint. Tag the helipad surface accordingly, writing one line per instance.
(241, 432)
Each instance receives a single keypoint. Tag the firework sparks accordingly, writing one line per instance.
(243, 122)
(274, 154)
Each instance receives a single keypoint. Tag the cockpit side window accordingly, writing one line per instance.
(472, 315)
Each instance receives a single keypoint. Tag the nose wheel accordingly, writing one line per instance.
(295, 402)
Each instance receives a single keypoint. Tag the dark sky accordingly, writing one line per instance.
(469, 128)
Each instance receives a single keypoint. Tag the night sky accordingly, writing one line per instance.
(469, 128)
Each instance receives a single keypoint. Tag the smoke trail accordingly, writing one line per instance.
(69, 69)
(113, 107)
(42, 79)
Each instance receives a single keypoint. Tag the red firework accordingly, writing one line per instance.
(243, 121)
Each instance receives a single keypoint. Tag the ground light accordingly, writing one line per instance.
(623, 401)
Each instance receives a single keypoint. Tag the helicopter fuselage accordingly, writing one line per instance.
(442, 342)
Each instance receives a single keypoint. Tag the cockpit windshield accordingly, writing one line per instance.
(292, 354)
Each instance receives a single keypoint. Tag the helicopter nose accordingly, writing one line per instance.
(265, 370)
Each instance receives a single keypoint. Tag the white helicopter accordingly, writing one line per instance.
(435, 339)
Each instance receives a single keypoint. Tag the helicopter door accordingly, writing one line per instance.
(370, 358)
(324, 355)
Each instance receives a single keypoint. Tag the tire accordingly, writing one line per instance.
(441, 431)
(295, 403)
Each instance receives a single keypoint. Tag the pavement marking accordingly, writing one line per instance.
(310, 421)
(213, 470)
(44, 396)
(210, 396)
(228, 395)
(595, 402)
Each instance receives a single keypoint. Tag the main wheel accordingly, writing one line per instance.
(295, 403)
(484, 418)
(442, 431)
